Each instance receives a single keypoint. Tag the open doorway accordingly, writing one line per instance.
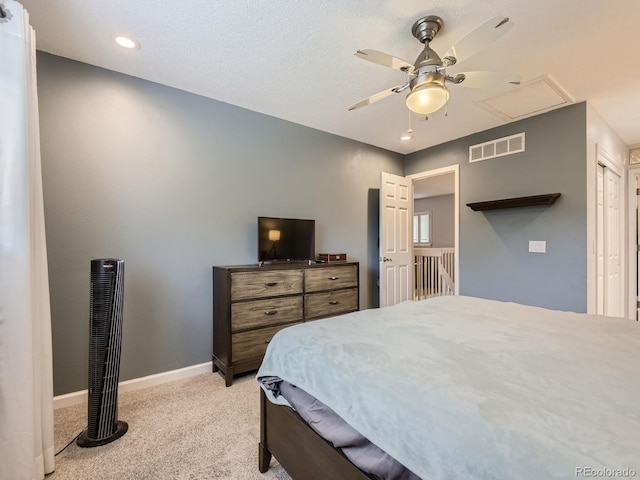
(435, 233)
(398, 265)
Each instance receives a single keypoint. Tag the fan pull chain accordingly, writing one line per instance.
(446, 105)
(409, 134)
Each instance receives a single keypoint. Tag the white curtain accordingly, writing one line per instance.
(26, 374)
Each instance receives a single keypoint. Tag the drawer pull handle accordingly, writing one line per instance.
(333, 302)
(270, 284)
(271, 312)
(333, 278)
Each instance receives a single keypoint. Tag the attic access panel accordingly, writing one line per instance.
(530, 201)
(534, 97)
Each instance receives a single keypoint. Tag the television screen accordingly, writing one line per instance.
(282, 239)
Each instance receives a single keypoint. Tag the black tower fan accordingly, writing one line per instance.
(105, 341)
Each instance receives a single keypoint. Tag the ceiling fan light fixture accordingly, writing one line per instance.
(428, 98)
(428, 91)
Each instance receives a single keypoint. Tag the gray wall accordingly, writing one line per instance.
(494, 258)
(172, 183)
(442, 209)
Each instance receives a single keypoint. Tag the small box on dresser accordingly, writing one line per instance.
(332, 257)
(252, 303)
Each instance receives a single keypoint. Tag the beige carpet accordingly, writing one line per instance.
(187, 429)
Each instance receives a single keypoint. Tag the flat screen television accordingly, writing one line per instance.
(286, 239)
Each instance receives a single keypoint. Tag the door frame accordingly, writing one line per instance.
(455, 169)
(605, 159)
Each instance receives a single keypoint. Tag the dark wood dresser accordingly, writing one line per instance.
(251, 303)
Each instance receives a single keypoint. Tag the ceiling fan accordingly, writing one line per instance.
(428, 76)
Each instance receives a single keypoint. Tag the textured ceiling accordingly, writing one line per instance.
(294, 60)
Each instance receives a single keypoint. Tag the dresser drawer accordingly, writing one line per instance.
(326, 278)
(262, 313)
(330, 303)
(245, 285)
(252, 344)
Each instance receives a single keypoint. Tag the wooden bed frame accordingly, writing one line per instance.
(303, 453)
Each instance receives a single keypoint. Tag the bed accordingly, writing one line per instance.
(460, 388)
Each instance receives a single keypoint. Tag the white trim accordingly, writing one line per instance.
(455, 169)
(591, 166)
(435, 172)
(76, 398)
(616, 154)
(605, 159)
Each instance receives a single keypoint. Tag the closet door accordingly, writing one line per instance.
(612, 234)
(600, 241)
(609, 236)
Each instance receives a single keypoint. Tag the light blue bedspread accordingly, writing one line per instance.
(465, 388)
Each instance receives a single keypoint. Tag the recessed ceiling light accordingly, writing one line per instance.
(127, 41)
(408, 135)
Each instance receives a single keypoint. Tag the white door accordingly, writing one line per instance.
(610, 296)
(396, 241)
(600, 241)
(613, 281)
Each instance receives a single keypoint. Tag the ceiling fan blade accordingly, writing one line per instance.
(377, 96)
(491, 80)
(385, 60)
(479, 38)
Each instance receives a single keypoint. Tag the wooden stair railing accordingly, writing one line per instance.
(434, 269)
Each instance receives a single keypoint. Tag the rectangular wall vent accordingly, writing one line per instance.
(497, 148)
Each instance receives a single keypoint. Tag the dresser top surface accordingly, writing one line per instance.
(282, 266)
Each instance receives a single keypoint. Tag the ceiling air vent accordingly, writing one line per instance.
(497, 148)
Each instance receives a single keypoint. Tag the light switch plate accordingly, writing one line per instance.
(537, 246)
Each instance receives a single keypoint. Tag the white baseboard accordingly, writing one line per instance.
(75, 398)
